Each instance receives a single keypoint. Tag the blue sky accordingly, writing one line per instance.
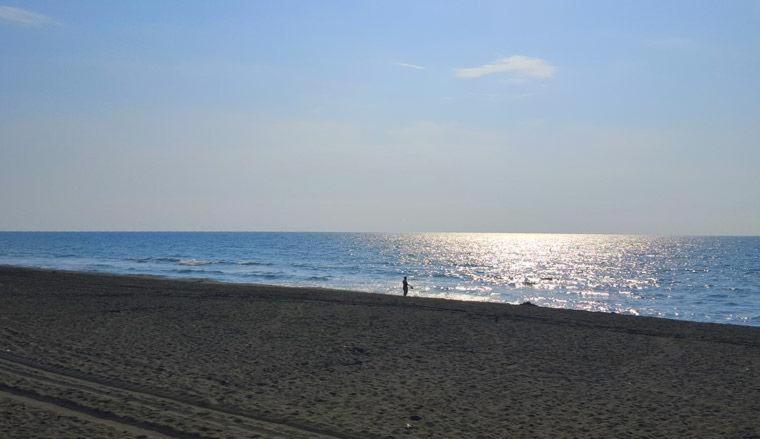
(625, 117)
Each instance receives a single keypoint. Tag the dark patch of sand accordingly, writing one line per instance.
(201, 359)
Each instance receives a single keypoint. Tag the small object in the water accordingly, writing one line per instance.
(409, 426)
(529, 282)
(415, 418)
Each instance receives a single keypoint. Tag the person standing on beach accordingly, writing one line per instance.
(406, 286)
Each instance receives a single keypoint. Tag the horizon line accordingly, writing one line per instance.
(394, 232)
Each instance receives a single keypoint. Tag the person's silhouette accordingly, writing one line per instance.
(406, 286)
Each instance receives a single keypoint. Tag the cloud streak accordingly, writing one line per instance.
(671, 43)
(22, 17)
(516, 65)
(409, 66)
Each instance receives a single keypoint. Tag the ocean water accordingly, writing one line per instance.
(712, 279)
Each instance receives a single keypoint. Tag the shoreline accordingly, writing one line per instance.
(208, 280)
(150, 355)
(707, 279)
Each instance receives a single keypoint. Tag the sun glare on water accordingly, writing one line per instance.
(609, 273)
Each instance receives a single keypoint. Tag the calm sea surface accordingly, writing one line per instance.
(714, 279)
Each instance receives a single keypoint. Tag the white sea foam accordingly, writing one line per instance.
(193, 262)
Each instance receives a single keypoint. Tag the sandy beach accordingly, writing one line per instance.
(92, 355)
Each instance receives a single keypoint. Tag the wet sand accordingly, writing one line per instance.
(91, 355)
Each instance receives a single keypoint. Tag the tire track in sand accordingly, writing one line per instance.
(231, 419)
(64, 407)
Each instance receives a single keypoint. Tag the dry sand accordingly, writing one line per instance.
(86, 355)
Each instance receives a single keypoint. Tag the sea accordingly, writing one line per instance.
(707, 279)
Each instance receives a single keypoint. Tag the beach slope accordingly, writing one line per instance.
(96, 355)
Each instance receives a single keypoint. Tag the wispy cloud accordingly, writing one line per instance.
(23, 17)
(516, 65)
(671, 43)
(409, 66)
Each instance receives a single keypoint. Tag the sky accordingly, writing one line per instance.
(567, 117)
